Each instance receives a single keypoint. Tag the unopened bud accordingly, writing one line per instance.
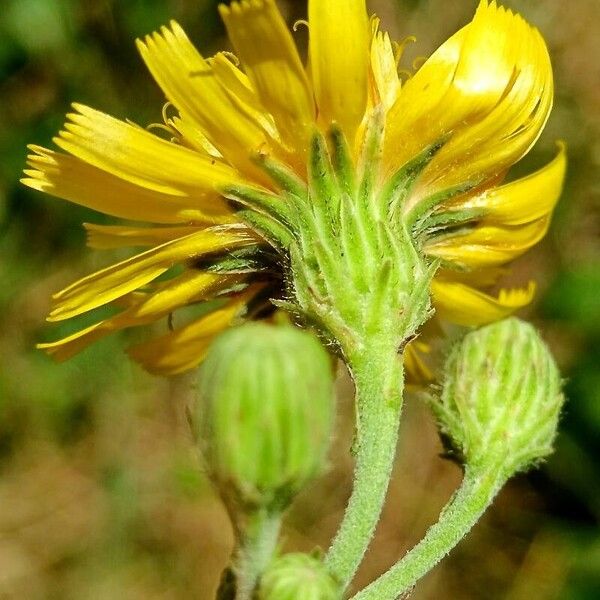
(501, 397)
(298, 576)
(266, 412)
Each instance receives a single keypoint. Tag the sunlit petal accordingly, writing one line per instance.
(191, 286)
(265, 46)
(73, 179)
(526, 199)
(488, 245)
(339, 60)
(117, 280)
(488, 88)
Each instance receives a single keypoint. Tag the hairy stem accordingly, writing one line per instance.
(257, 544)
(378, 376)
(478, 489)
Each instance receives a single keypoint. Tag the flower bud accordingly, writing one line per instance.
(266, 412)
(501, 397)
(295, 576)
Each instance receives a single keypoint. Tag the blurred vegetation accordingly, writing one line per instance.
(101, 495)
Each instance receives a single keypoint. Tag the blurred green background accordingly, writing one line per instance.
(100, 490)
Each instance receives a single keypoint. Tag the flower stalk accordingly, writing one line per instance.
(476, 493)
(257, 542)
(378, 376)
(498, 408)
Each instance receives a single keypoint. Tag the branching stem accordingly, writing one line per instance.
(478, 489)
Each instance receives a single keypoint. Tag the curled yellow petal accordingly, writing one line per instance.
(464, 305)
(488, 88)
(118, 280)
(417, 119)
(73, 179)
(488, 245)
(526, 199)
(267, 51)
(185, 348)
(191, 286)
(509, 128)
(339, 61)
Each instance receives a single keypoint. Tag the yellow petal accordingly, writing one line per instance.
(490, 146)
(117, 280)
(489, 86)
(488, 245)
(525, 199)
(238, 86)
(138, 156)
(384, 69)
(73, 179)
(265, 46)
(119, 236)
(191, 286)
(339, 61)
(190, 84)
(185, 348)
(192, 137)
(464, 305)
(416, 119)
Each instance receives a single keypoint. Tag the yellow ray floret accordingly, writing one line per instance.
(488, 245)
(265, 46)
(339, 61)
(117, 280)
(489, 88)
(491, 145)
(184, 348)
(464, 305)
(191, 286)
(73, 179)
(138, 156)
(189, 82)
(526, 199)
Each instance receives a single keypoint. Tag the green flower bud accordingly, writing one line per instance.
(298, 576)
(501, 397)
(266, 413)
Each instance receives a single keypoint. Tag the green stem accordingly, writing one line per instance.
(478, 489)
(378, 377)
(257, 544)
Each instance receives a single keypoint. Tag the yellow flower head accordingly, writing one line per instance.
(252, 135)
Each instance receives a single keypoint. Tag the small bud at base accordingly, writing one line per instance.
(266, 412)
(297, 576)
